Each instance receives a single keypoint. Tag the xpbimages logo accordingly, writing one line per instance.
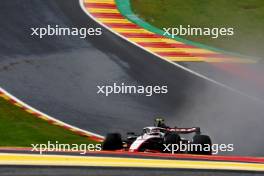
(58, 147)
(131, 89)
(197, 31)
(56, 30)
(192, 148)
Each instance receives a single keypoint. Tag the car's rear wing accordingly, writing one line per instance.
(186, 130)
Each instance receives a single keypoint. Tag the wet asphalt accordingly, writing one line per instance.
(59, 76)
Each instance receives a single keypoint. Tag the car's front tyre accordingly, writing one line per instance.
(171, 139)
(113, 141)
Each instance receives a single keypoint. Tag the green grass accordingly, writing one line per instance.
(245, 16)
(21, 129)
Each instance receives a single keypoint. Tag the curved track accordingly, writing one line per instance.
(59, 76)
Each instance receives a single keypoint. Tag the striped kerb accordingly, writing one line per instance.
(106, 11)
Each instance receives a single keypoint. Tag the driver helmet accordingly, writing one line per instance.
(159, 122)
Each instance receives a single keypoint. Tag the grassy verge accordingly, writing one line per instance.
(18, 128)
(245, 16)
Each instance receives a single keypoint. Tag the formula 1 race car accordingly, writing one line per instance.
(161, 138)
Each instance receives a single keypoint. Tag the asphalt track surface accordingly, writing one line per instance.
(83, 171)
(15, 170)
(247, 78)
(59, 75)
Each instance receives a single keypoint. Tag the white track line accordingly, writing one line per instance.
(37, 111)
(81, 2)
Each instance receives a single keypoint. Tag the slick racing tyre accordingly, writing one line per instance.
(205, 144)
(170, 139)
(113, 141)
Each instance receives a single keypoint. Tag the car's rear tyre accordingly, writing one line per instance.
(206, 145)
(113, 141)
(170, 139)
